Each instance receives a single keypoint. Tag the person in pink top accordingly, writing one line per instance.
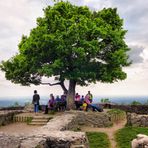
(87, 101)
(77, 101)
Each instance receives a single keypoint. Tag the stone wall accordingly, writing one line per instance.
(136, 120)
(93, 119)
(6, 117)
(138, 109)
(52, 135)
(57, 132)
(12, 108)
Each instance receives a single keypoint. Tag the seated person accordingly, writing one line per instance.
(96, 107)
(84, 106)
(58, 105)
(51, 102)
(82, 100)
(63, 103)
(58, 99)
(78, 102)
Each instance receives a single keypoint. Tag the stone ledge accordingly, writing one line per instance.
(137, 120)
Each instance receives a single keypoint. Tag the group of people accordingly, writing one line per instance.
(83, 103)
(59, 103)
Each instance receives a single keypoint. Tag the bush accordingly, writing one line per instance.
(136, 103)
(126, 135)
(98, 140)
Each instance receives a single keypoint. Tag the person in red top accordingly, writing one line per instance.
(77, 101)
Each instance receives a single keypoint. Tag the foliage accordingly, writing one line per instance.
(126, 135)
(98, 140)
(16, 104)
(117, 115)
(105, 100)
(71, 43)
(136, 103)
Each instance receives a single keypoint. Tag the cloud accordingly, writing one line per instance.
(135, 54)
(19, 16)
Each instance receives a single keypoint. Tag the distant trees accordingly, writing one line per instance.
(71, 43)
(105, 100)
(136, 103)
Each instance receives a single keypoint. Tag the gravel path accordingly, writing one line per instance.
(109, 131)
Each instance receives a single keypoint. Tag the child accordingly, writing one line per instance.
(84, 106)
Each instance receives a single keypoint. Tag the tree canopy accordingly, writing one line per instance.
(71, 43)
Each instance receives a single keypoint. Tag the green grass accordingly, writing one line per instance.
(98, 140)
(126, 135)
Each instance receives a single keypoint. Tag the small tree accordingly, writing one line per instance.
(71, 43)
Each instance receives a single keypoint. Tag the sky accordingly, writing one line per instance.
(18, 17)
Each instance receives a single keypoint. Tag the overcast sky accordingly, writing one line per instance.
(17, 17)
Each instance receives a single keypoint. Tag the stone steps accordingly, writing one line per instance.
(40, 120)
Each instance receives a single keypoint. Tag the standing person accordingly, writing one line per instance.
(89, 96)
(35, 101)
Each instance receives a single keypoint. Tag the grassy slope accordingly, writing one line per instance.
(126, 135)
(98, 140)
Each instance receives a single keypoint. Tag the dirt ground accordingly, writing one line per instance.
(18, 128)
(22, 127)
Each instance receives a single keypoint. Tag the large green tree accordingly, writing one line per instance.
(71, 43)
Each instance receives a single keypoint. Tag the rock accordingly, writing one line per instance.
(140, 142)
(7, 141)
(137, 120)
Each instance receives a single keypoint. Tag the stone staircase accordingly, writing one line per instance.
(32, 119)
(40, 120)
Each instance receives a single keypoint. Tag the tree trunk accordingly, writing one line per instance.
(63, 87)
(71, 94)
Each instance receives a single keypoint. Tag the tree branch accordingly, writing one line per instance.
(58, 83)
